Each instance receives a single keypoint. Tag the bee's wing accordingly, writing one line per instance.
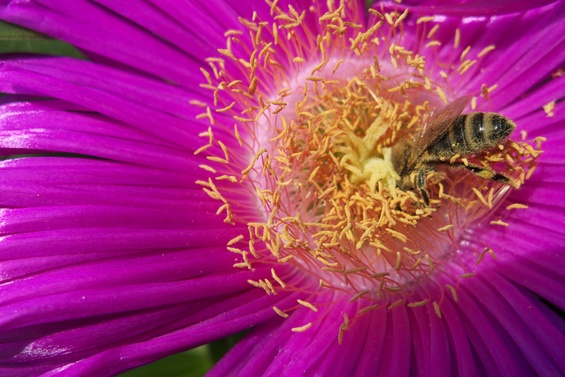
(436, 127)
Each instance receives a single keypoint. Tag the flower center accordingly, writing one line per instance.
(318, 108)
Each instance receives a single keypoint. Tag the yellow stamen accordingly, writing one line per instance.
(315, 172)
(301, 328)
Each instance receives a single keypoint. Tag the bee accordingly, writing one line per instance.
(450, 133)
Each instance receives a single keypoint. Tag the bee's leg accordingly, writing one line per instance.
(485, 173)
(421, 184)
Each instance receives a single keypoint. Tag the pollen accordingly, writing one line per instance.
(445, 228)
(517, 206)
(280, 312)
(499, 222)
(307, 127)
(308, 305)
(548, 108)
(301, 328)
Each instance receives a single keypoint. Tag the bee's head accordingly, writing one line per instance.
(400, 154)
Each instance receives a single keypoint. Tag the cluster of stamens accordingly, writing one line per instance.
(316, 115)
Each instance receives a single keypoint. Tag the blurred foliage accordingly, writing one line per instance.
(14, 39)
(193, 363)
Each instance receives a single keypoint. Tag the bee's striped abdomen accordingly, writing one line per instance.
(472, 133)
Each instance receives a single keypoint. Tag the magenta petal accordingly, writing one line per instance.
(520, 109)
(70, 181)
(113, 256)
(101, 31)
(104, 102)
(462, 349)
(213, 321)
(396, 356)
(167, 20)
(371, 357)
(474, 7)
(431, 346)
(539, 276)
(521, 338)
(113, 294)
(494, 347)
(269, 349)
(516, 64)
(539, 342)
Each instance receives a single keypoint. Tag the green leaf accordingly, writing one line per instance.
(16, 39)
(193, 363)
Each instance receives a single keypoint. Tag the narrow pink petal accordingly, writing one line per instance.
(211, 322)
(372, 355)
(96, 29)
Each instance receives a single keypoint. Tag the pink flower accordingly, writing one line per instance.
(220, 167)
